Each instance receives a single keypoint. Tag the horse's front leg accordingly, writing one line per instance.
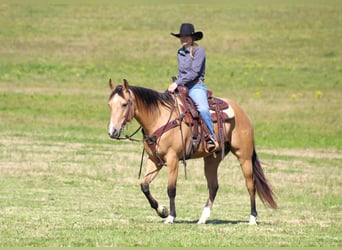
(210, 169)
(151, 173)
(172, 168)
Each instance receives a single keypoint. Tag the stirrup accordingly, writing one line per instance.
(211, 145)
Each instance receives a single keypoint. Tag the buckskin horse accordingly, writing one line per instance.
(167, 135)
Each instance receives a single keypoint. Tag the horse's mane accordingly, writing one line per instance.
(147, 97)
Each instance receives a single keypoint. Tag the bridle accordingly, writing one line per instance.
(152, 140)
(128, 118)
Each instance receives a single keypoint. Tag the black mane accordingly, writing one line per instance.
(147, 97)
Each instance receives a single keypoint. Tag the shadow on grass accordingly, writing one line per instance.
(220, 222)
(213, 222)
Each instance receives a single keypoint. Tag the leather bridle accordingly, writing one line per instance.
(128, 118)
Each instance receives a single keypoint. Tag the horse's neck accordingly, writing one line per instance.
(151, 121)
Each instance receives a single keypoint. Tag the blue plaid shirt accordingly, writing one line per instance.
(190, 70)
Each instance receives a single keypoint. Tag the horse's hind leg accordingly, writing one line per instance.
(151, 173)
(247, 169)
(210, 169)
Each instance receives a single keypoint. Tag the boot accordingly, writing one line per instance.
(211, 145)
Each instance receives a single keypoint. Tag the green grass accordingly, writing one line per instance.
(64, 183)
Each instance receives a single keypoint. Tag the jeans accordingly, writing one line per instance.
(198, 93)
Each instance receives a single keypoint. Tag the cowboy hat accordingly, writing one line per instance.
(188, 29)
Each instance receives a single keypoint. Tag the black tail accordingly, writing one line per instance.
(261, 184)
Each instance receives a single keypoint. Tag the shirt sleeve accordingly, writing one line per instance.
(196, 69)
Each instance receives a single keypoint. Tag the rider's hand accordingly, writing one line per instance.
(172, 87)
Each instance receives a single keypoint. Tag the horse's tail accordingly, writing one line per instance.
(261, 184)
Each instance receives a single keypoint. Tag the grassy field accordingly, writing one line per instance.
(64, 183)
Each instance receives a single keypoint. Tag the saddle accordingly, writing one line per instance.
(220, 113)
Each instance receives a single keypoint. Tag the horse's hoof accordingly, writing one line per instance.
(201, 221)
(169, 220)
(252, 220)
(204, 216)
(162, 211)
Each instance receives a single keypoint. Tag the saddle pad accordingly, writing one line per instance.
(230, 112)
(227, 114)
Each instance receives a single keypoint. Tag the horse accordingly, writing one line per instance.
(155, 111)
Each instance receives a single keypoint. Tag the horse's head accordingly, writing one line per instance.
(121, 111)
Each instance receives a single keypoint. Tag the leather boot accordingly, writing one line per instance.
(211, 145)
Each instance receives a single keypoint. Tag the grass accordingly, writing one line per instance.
(80, 194)
(64, 183)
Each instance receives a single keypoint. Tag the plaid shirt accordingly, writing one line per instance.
(190, 69)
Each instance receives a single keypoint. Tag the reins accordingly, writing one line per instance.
(156, 142)
(154, 139)
(182, 138)
(130, 137)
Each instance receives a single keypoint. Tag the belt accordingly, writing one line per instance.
(193, 83)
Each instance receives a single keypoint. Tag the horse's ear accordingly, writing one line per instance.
(125, 82)
(111, 86)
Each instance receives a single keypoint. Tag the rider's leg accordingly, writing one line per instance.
(198, 93)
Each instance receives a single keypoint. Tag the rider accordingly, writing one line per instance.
(191, 71)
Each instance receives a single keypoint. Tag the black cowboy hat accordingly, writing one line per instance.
(188, 29)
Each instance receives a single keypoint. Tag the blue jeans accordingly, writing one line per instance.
(198, 93)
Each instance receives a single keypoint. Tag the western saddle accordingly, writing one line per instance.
(191, 117)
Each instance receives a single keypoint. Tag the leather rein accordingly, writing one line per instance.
(151, 140)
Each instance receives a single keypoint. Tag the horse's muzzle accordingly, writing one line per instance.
(113, 132)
